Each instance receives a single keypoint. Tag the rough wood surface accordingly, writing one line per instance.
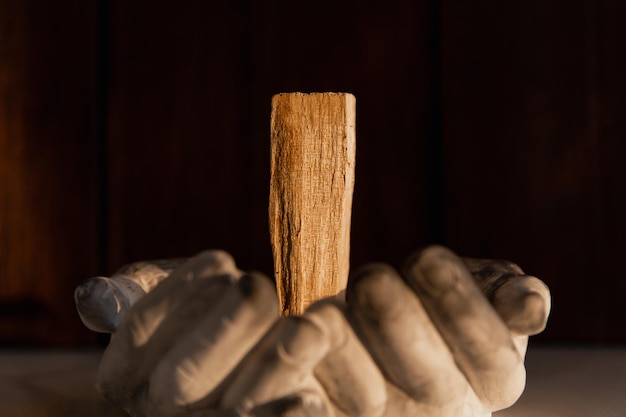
(312, 180)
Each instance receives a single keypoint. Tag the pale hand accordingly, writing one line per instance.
(207, 341)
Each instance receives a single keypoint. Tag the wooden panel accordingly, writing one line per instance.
(47, 169)
(189, 122)
(533, 138)
(378, 52)
(175, 130)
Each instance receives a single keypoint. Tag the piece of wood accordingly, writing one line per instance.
(313, 145)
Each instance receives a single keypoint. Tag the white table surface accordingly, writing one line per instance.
(562, 382)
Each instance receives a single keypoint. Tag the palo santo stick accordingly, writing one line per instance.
(312, 180)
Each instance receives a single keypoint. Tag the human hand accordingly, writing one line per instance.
(428, 344)
(317, 364)
(177, 345)
(206, 341)
(441, 348)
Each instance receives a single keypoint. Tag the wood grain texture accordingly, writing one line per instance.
(313, 144)
(178, 176)
(533, 98)
(47, 170)
(533, 146)
(189, 103)
(377, 51)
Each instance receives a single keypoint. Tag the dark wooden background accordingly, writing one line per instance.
(140, 129)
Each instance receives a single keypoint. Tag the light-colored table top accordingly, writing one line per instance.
(562, 382)
(573, 382)
(51, 384)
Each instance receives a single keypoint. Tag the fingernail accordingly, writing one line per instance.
(301, 342)
(99, 305)
(279, 407)
(313, 405)
(523, 305)
(436, 270)
(302, 404)
(377, 290)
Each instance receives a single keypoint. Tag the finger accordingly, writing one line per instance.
(149, 274)
(347, 372)
(401, 338)
(489, 272)
(281, 364)
(213, 413)
(155, 321)
(302, 404)
(522, 301)
(479, 340)
(102, 302)
(202, 358)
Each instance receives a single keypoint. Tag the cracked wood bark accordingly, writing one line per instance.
(312, 180)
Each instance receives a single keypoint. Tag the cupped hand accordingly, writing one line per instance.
(207, 341)
(175, 348)
(441, 347)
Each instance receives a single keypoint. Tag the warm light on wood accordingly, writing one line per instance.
(312, 181)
